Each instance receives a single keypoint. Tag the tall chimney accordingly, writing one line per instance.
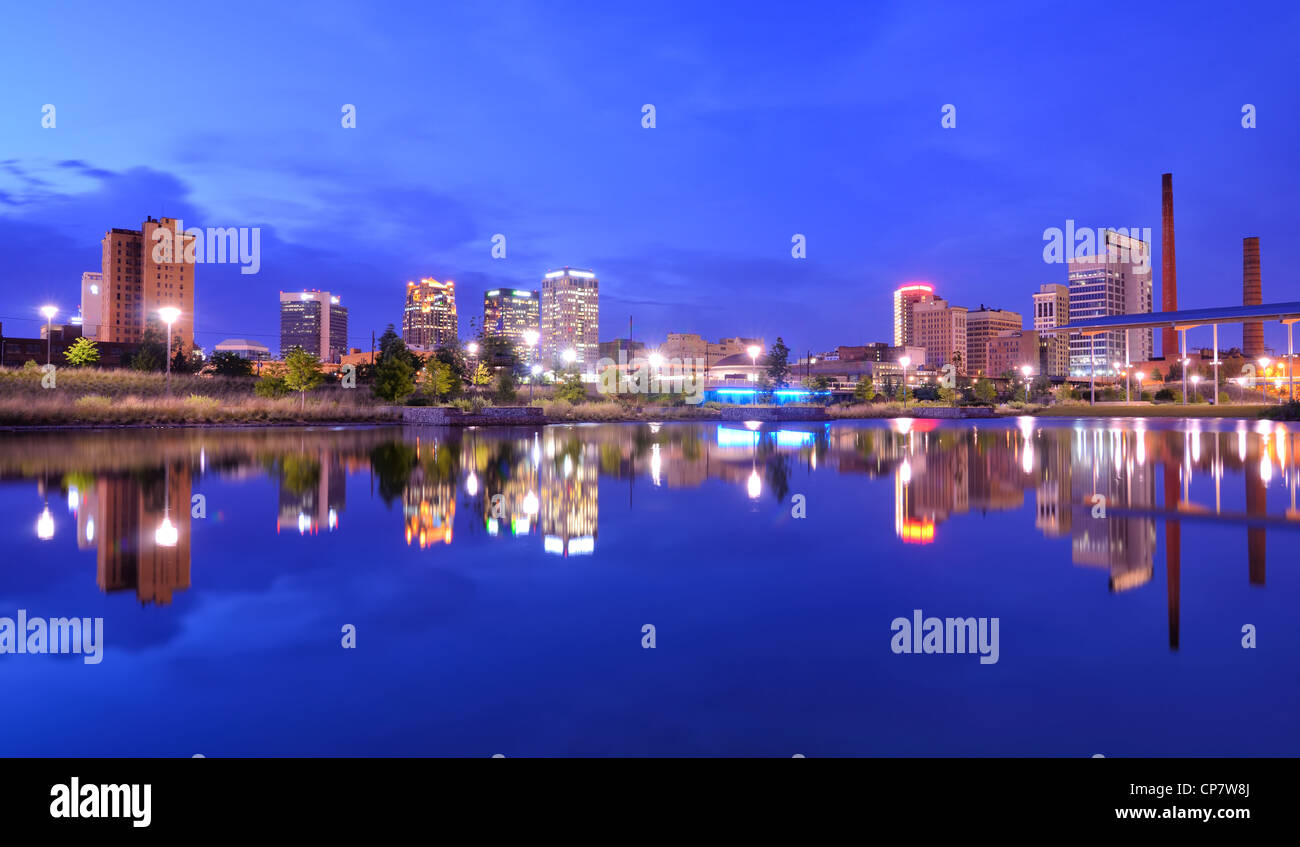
(1252, 294)
(1168, 273)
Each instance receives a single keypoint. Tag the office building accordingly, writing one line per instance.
(941, 329)
(570, 315)
(92, 304)
(314, 321)
(1051, 309)
(429, 319)
(905, 298)
(144, 271)
(982, 326)
(1012, 349)
(1116, 281)
(510, 313)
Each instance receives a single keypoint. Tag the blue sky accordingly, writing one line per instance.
(525, 119)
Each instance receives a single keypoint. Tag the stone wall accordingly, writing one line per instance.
(488, 416)
(774, 413)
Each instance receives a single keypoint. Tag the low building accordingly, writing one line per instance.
(15, 352)
(251, 350)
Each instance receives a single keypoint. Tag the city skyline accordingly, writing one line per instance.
(670, 217)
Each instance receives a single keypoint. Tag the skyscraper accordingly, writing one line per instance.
(570, 314)
(92, 304)
(509, 313)
(982, 326)
(429, 320)
(941, 330)
(140, 277)
(1114, 282)
(1052, 308)
(314, 321)
(905, 297)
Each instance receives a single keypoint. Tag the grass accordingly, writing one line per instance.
(608, 410)
(1164, 410)
(90, 396)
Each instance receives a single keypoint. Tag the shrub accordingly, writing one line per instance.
(271, 387)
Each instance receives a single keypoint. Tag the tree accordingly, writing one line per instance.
(778, 364)
(985, 392)
(228, 363)
(571, 389)
(865, 390)
(820, 382)
(956, 361)
(270, 387)
(506, 386)
(948, 395)
(394, 379)
(482, 375)
(451, 355)
(302, 373)
(83, 352)
(439, 377)
(152, 353)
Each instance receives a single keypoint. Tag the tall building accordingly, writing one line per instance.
(570, 313)
(905, 297)
(1051, 309)
(92, 304)
(982, 326)
(314, 321)
(510, 313)
(1114, 282)
(1012, 349)
(140, 277)
(429, 320)
(941, 330)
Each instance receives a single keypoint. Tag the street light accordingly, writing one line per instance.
(472, 348)
(530, 338)
(169, 314)
(905, 361)
(1139, 376)
(1026, 370)
(45, 525)
(535, 371)
(1196, 378)
(49, 312)
(570, 356)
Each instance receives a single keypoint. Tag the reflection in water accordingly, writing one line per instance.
(1117, 490)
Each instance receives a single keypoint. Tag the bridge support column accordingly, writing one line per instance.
(1216, 364)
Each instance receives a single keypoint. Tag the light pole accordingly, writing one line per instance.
(1026, 370)
(1196, 379)
(169, 314)
(655, 360)
(49, 312)
(1139, 376)
(1185, 362)
(753, 350)
(905, 361)
(536, 371)
(530, 338)
(1118, 368)
(1260, 381)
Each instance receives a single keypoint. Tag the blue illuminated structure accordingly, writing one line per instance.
(750, 396)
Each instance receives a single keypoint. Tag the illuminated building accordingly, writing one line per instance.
(92, 304)
(429, 319)
(314, 321)
(1114, 282)
(509, 313)
(982, 326)
(1051, 309)
(570, 316)
(941, 330)
(905, 297)
(132, 553)
(135, 285)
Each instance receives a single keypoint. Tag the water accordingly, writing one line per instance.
(518, 628)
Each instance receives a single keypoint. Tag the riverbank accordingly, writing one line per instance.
(1146, 410)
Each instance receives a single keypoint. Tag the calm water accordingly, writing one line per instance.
(516, 627)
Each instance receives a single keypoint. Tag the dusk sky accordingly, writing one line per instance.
(821, 119)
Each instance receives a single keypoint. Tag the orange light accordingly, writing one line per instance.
(917, 532)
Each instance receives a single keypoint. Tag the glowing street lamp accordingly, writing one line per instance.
(49, 312)
(753, 350)
(905, 361)
(472, 348)
(1196, 379)
(1263, 367)
(1139, 376)
(169, 314)
(536, 371)
(166, 535)
(531, 337)
(1026, 370)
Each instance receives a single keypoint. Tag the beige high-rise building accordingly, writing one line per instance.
(92, 304)
(941, 330)
(570, 312)
(982, 326)
(429, 319)
(1051, 309)
(143, 272)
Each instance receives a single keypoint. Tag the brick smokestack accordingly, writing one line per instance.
(1168, 273)
(1252, 294)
